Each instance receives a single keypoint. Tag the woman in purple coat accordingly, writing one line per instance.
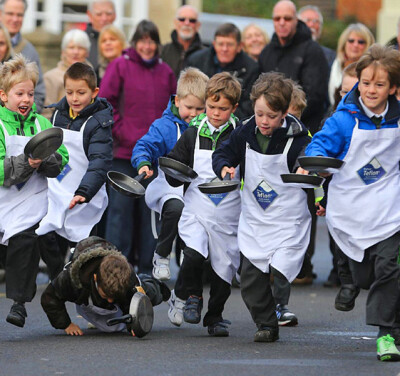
(138, 85)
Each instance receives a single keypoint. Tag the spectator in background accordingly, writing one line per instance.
(12, 14)
(111, 43)
(100, 13)
(293, 53)
(185, 39)
(353, 42)
(395, 42)
(226, 55)
(312, 17)
(6, 50)
(254, 40)
(138, 85)
(75, 48)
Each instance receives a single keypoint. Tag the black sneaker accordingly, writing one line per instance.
(285, 316)
(219, 329)
(17, 315)
(266, 334)
(346, 297)
(192, 309)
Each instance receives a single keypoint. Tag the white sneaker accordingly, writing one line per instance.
(161, 267)
(175, 311)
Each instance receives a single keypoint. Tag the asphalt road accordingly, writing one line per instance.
(326, 341)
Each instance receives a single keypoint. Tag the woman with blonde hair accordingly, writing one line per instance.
(254, 39)
(353, 42)
(111, 43)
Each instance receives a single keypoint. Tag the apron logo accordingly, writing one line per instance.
(20, 185)
(264, 195)
(216, 198)
(371, 172)
(64, 172)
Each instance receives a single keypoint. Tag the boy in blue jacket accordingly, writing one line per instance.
(86, 121)
(158, 142)
(363, 211)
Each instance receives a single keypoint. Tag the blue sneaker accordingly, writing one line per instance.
(284, 316)
(192, 309)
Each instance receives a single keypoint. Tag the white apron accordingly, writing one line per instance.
(159, 191)
(364, 196)
(210, 221)
(72, 224)
(275, 223)
(22, 205)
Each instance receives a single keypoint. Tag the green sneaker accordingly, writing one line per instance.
(386, 349)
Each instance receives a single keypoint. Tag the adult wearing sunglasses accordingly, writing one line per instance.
(293, 53)
(352, 44)
(185, 39)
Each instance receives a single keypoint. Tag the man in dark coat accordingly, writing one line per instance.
(226, 55)
(101, 13)
(293, 52)
(185, 39)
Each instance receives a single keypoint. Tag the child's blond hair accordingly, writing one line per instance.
(224, 84)
(298, 102)
(383, 57)
(114, 276)
(17, 70)
(192, 81)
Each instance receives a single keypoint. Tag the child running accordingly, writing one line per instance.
(363, 210)
(208, 224)
(23, 183)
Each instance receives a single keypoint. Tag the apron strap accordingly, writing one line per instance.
(38, 126)
(153, 224)
(4, 128)
(84, 124)
(178, 132)
(54, 117)
(197, 145)
(288, 145)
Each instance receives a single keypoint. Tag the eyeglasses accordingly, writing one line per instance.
(359, 41)
(286, 18)
(183, 19)
(311, 20)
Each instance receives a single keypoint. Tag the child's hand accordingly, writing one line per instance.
(302, 171)
(34, 163)
(76, 200)
(73, 330)
(146, 169)
(321, 211)
(228, 170)
(133, 333)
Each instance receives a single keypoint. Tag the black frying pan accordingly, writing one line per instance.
(300, 179)
(140, 316)
(126, 185)
(221, 186)
(177, 170)
(321, 164)
(43, 144)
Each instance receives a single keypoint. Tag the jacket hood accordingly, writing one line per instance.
(170, 115)
(350, 103)
(131, 54)
(302, 34)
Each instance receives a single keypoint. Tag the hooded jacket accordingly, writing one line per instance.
(97, 140)
(302, 60)
(233, 152)
(243, 67)
(175, 56)
(335, 136)
(139, 92)
(160, 139)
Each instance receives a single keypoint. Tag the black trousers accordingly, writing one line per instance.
(21, 260)
(255, 287)
(52, 253)
(171, 212)
(190, 282)
(380, 272)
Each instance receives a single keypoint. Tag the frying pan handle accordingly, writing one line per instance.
(227, 176)
(140, 177)
(126, 319)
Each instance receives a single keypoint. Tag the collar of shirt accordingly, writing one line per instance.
(213, 129)
(16, 39)
(369, 113)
